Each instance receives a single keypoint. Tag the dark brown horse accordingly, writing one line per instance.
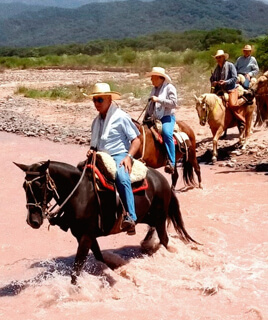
(89, 214)
(153, 153)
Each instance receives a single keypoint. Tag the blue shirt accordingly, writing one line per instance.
(247, 65)
(122, 132)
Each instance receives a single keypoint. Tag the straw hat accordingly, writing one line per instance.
(158, 71)
(103, 89)
(247, 47)
(221, 53)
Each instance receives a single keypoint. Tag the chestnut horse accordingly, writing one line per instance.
(153, 154)
(211, 109)
(261, 89)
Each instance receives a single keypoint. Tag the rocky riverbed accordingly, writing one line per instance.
(70, 122)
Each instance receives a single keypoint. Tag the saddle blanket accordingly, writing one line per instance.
(107, 166)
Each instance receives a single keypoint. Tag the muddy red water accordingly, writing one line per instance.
(226, 278)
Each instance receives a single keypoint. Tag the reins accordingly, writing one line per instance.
(53, 214)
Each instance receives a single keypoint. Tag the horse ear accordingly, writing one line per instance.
(44, 166)
(23, 167)
(196, 99)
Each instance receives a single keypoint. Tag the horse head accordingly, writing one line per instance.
(38, 192)
(201, 108)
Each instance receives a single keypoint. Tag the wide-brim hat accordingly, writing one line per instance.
(103, 89)
(158, 71)
(247, 47)
(220, 53)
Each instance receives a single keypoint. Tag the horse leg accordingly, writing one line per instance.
(195, 164)
(85, 243)
(174, 177)
(215, 143)
(162, 233)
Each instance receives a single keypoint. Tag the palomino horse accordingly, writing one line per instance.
(211, 109)
(90, 214)
(153, 154)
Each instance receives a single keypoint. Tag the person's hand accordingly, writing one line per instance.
(214, 83)
(154, 99)
(127, 163)
(221, 82)
(89, 153)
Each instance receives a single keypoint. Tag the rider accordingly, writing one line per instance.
(246, 66)
(162, 105)
(224, 79)
(113, 132)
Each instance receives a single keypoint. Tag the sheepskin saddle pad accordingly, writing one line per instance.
(105, 172)
(179, 137)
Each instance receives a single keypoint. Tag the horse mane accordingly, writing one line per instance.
(211, 99)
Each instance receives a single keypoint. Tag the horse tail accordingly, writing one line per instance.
(175, 216)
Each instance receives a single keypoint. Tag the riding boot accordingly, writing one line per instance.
(169, 168)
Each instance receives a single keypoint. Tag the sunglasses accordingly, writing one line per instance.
(99, 100)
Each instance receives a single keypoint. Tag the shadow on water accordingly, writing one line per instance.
(63, 266)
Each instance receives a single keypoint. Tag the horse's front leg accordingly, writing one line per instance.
(84, 244)
(215, 143)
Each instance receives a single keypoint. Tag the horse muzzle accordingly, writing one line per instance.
(202, 122)
(34, 218)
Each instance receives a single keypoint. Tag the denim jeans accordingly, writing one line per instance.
(123, 184)
(168, 123)
(246, 83)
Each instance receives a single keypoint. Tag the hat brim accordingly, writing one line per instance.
(226, 55)
(113, 94)
(149, 74)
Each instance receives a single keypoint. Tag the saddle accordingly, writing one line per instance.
(180, 138)
(105, 173)
(103, 168)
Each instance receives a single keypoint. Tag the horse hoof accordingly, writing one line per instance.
(200, 186)
(214, 160)
(74, 280)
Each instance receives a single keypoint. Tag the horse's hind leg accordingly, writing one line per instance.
(174, 177)
(195, 164)
(162, 233)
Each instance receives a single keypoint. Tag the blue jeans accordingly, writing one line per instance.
(246, 83)
(168, 123)
(123, 184)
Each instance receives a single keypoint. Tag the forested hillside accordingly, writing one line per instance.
(117, 20)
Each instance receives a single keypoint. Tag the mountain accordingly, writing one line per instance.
(116, 20)
(58, 3)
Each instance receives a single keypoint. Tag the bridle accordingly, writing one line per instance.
(204, 118)
(49, 186)
(208, 110)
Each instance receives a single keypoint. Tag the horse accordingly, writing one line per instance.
(211, 109)
(261, 93)
(90, 214)
(153, 153)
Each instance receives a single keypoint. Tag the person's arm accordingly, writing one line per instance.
(232, 76)
(254, 67)
(170, 101)
(128, 160)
